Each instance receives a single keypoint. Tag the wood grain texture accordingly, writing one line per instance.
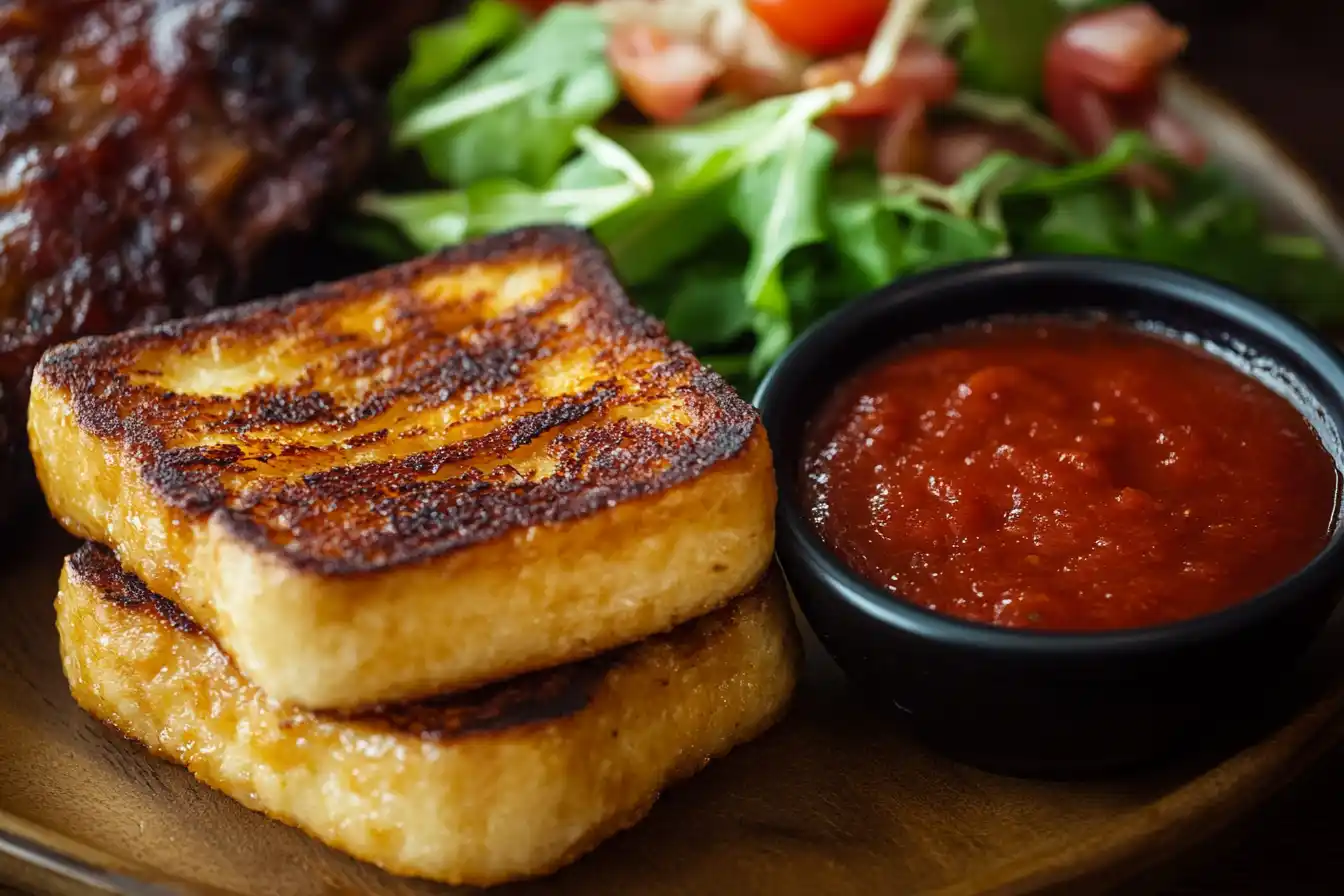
(838, 799)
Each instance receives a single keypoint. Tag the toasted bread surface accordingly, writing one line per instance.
(476, 464)
(509, 781)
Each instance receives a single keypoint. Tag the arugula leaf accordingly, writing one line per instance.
(868, 238)
(590, 188)
(442, 218)
(1011, 110)
(885, 229)
(728, 144)
(693, 168)
(646, 239)
(1126, 148)
(438, 52)
(707, 307)
(778, 206)
(773, 335)
(1209, 227)
(1005, 48)
(936, 238)
(739, 230)
(945, 21)
(516, 114)
(1085, 222)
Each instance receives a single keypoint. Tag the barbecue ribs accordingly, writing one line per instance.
(150, 148)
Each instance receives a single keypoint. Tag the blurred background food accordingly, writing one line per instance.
(149, 150)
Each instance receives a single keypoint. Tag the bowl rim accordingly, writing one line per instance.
(1290, 336)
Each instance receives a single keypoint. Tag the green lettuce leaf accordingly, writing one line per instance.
(694, 168)
(593, 186)
(515, 115)
(439, 52)
(740, 230)
(1004, 50)
(777, 204)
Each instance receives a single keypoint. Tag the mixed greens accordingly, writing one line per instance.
(745, 222)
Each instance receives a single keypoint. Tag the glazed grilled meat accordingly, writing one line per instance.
(150, 148)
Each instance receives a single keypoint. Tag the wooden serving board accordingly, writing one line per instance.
(838, 799)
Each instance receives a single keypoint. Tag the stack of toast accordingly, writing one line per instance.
(454, 565)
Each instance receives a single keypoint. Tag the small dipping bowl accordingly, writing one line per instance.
(1037, 702)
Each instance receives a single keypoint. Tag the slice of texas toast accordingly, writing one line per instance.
(509, 781)
(437, 475)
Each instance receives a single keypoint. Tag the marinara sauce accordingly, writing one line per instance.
(1059, 474)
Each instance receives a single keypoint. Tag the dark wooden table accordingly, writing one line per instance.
(1284, 63)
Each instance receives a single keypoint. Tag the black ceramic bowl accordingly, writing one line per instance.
(1033, 702)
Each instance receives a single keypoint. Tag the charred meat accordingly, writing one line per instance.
(150, 148)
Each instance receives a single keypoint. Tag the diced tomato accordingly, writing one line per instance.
(1117, 50)
(664, 77)
(903, 147)
(1102, 74)
(868, 99)
(535, 6)
(754, 83)
(922, 72)
(957, 147)
(822, 27)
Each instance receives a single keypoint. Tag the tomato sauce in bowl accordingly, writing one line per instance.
(1061, 474)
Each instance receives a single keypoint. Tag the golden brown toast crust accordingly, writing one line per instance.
(209, 456)
(498, 709)
(515, 787)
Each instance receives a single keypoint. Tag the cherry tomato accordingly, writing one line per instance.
(822, 27)
(663, 76)
(922, 72)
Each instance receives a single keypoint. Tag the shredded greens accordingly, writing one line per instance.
(741, 229)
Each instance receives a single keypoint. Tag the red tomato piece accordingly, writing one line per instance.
(1118, 50)
(822, 28)
(1101, 77)
(535, 6)
(663, 76)
(957, 147)
(903, 146)
(922, 72)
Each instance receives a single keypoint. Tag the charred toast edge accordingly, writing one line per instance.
(732, 673)
(83, 371)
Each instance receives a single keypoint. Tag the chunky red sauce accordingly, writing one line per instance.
(1067, 475)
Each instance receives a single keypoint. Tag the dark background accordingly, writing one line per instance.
(1283, 62)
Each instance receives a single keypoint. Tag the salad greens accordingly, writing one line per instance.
(742, 228)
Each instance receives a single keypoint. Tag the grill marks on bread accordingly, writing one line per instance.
(413, 411)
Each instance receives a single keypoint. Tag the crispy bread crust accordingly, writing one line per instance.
(340, 520)
(531, 699)
(454, 471)
(512, 781)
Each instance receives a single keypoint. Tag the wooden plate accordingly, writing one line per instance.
(838, 799)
